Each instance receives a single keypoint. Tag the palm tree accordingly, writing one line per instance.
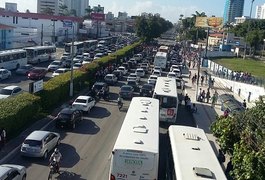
(88, 12)
(64, 10)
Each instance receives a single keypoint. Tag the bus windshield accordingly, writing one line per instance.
(167, 101)
(30, 53)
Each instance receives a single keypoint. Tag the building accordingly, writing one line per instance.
(233, 8)
(11, 7)
(54, 5)
(122, 15)
(260, 12)
(109, 16)
(79, 6)
(240, 20)
(6, 36)
(28, 27)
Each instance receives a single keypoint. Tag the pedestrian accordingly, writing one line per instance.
(180, 98)
(229, 168)
(221, 156)
(194, 108)
(189, 105)
(3, 136)
(212, 82)
(202, 80)
(208, 95)
(189, 74)
(186, 99)
(244, 104)
(214, 98)
(203, 96)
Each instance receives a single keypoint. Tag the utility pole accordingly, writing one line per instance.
(41, 35)
(198, 73)
(53, 33)
(72, 63)
(207, 39)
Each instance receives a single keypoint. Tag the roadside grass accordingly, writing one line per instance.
(255, 67)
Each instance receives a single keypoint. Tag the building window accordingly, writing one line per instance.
(24, 18)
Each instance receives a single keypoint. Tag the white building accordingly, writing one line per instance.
(240, 20)
(122, 15)
(30, 26)
(54, 5)
(11, 7)
(78, 5)
(260, 12)
(109, 16)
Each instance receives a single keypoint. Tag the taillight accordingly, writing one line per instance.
(112, 177)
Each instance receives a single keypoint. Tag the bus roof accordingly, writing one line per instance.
(39, 47)
(140, 128)
(193, 154)
(166, 86)
(163, 47)
(12, 51)
(161, 54)
(92, 40)
(75, 43)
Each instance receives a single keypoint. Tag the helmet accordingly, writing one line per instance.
(56, 150)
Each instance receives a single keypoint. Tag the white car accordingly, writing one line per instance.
(140, 72)
(98, 55)
(4, 74)
(171, 75)
(12, 172)
(152, 79)
(55, 65)
(60, 71)
(111, 79)
(174, 66)
(157, 73)
(84, 103)
(87, 61)
(86, 55)
(78, 59)
(123, 70)
(77, 65)
(10, 91)
(157, 68)
(177, 72)
(133, 76)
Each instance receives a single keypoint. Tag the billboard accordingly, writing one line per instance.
(98, 16)
(211, 22)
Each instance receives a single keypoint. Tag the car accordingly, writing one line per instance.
(98, 55)
(12, 172)
(100, 86)
(118, 74)
(111, 79)
(177, 72)
(147, 90)
(55, 65)
(77, 65)
(174, 66)
(157, 68)
(37, 74)
(60, 71)
(171, 75)
(68, 117)
(87, 61)
(157, 73)
(134, 84)
(10, 91)
(133, 76)
(145, 67)
(123, 70)
(24, 70)
(40, 143)
(126, 92)
(140, 72)
(5, 74)
(86, 55)
(84, 103)
(78, 59)
(152, 79)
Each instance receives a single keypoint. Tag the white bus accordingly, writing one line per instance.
(160, 60)
(38, 54)
(191, 155)
(166, 92)
(78, 48)
(13, 59)
(164, 49)
(135, 154)
(90, 45)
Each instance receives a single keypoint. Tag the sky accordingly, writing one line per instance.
(168, 9)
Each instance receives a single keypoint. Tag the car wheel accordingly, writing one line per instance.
(45, 155)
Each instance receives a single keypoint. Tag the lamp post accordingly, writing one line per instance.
(245, 50)
(263, 47)
(71, 91)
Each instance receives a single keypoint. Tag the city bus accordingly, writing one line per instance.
(38, 54)
(164, 49)
(191, 155)
(90, 45)
(160, 60)
(166, 92)
(105, 41)
(135, 154)
(78, 48)
(13, 59)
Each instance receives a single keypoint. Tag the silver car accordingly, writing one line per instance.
(12, 172)
(40, 143)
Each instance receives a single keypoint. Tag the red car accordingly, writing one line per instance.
(37, 74)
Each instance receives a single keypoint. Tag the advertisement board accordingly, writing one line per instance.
(211, 22)
(97, 16)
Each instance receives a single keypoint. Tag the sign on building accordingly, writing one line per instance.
(211, 22)
(36, 86)
(97, 16)
(67, 24)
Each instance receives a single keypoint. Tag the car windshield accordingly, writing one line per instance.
(126, 88)
(132, 83)
(64, 116)
(80, 101)
(55, 63)
(153, 78)
(32, 142)
(5, 92)
(108, 77)
(98, 86)
(77, 65)
(148, 87)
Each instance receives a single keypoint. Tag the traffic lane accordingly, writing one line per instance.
(86, 150)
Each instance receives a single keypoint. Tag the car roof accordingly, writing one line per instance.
(99, 83)
(110, 75)
(83, 97)
(153, 76)
(67, 110)
(11, 87)
(123, 86)
(37, 135)
(4, 170)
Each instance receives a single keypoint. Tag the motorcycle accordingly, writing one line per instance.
(120, 104)
(54, 168)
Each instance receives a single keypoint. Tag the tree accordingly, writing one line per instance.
(64, 10)
(48, 11)
(88, 10)
(242, 136)
(73, 12)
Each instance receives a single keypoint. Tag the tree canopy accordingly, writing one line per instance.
(48, 11)
(151, 26)
(242, 137)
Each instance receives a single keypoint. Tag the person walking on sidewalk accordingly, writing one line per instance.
(202, 80)
(186, 99)
(214, 98)
(3, 137)
(180, 98)
(244, 104)
(208, 95)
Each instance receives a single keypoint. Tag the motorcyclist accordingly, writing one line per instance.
(56, 156)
